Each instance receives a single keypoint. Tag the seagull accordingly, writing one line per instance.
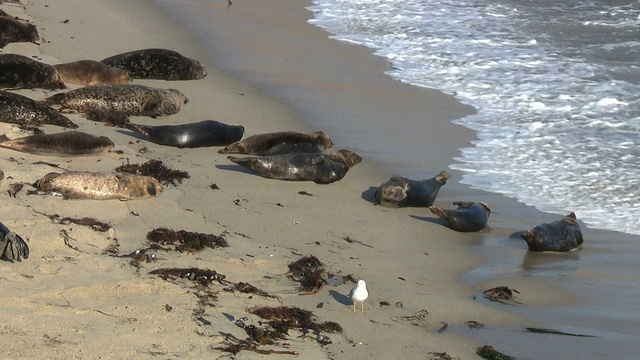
(359, 294)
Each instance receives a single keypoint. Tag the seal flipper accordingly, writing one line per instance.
(14, 248)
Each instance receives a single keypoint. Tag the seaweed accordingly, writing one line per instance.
(310, 272)
(472, 324)
(554, 332)
(283, 318)
(501, 294)
(14, 189)
(418, 319)
(157, 170)
(489, 353)
(439, 356)
(247, 288)
(201, 276)
(184, 241)
(234, 345)
(85, 221)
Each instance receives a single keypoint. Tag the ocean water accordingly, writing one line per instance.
(556, 85)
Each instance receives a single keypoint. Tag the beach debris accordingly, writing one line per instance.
(183, 241)
(157, 170)
(12, 246)
(309, 271)
(214, 187)
(418, 319)
(554, 332)
(14, 189)
(284, 318)
(501, 294)
(200, 276)
(305, 193)
(247, 288)
(234, 345)
(440, 356)
(489, 353)
(472, 324)
(384, 304)
(92, 223)
(351, 240)
(1, 175)
(443, 327)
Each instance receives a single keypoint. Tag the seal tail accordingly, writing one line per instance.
(4, 138)
(139, 129)
(439, 212)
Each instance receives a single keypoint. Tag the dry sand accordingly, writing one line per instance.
(74, 301)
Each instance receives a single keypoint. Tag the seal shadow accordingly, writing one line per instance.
(132, 134)
(437, 220)
(341, 298)
(235, 167)
(370, 194)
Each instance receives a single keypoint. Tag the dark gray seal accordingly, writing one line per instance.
(18, 109)
(12, 246)
(468, 217)
(403, 192)
(21, 72)
(15, 30)
(198, 134)
(319, 168)
(281, 143)
(91, 72)
(161, 64)
(100, 186)
(562, 235)
(130, 100)
(71, 143)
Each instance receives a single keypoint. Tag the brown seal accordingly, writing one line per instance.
(281, 143)
(71, 143)
(100, 186)
(130, 100)
(562, 235)
(21, 72)
(468, 217)
(15, 30)
(12, 246)
(18, 109)
(192, 135)
(319, 168)
(400, 191)
(161, 64)
(91, 72)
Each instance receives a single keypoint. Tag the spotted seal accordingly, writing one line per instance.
(12, 246)
(468, 217)
(281, 143)
(91, 72)
(131, 100)
(562, 235)
(15, 30)
(100, 186)
(161, 64)
(403, 192)
(319, 168)
(192, 135)
(70, 143)
(21, 72)
(18, 109)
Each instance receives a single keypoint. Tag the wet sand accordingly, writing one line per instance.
(83, 303)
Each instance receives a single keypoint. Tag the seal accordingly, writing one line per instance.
(160, 64)
(562, 235)
(18, 109)
(71, 143)
(21, 72)
(468, 217)
(12, 246)
(281, 143)
(198, 134)
(91, 72)
(404, 192)
(100, 186)
(319, 168)
(15, 30)
(130, 100)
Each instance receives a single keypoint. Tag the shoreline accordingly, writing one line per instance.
(223, 97)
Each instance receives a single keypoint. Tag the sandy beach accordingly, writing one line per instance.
(73, 299)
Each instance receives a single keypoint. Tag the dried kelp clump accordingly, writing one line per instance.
(201, 276)
(94, 224)
(489, 353)
(247, 288)
(234, 345)
(183, 241)
(501, 294)
(157, 170)
(283, 318)
(310, 272)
